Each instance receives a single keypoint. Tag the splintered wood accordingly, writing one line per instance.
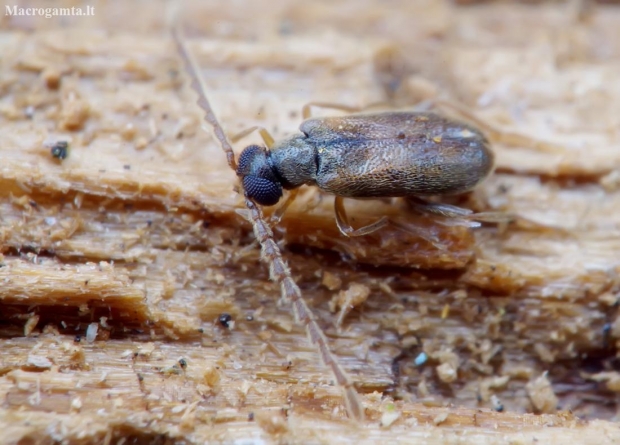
(133, 303)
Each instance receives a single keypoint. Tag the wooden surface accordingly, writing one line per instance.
(139, 232)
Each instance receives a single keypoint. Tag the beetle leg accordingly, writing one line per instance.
(274, 219)
(450, 211)
(425, 105)
(342, 220)
(497, 134)
(447, 210)
(276, 216)
(306, 111)
(264, 134)
(493, 217)
(420, 232)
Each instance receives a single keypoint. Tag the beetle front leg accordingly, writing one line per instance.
(276, 216)
(264, 134)
(274, 219)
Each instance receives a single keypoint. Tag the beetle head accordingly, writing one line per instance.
(259, 180)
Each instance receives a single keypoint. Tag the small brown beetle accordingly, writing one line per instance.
(386, 155)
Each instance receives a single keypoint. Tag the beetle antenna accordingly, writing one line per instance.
(199, 86)
(279, 271)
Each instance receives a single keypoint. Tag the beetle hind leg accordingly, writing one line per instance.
(493, 132)
(458, 213)
(342, 220)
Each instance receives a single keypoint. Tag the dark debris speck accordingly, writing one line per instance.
(224, 320)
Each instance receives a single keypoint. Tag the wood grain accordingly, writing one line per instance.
(140, 232)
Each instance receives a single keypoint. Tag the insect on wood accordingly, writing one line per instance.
(384, 155)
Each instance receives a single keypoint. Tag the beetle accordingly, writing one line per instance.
(384, 155)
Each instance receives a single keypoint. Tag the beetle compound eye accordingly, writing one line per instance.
(259, 180)
(261, 190)
(249, 158)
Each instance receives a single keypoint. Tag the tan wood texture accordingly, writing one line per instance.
(119, 260)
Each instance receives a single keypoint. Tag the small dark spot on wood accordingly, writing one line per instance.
(224, 320)
(60, 150)
(503, 188)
